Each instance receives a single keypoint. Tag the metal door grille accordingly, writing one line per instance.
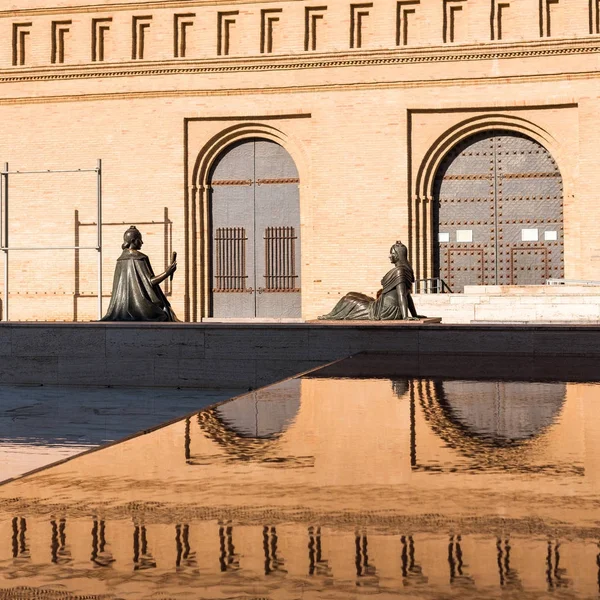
(230, 273)
(280, 263)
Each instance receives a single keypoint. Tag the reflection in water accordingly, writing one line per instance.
(101, 557)
(458, 575)
(408, 487)
(501, 412)
(58, 546)
(366, 572)
(142, 558)
(412, 572)
(228, 559)
(273, 563)
(250, 430)
(19, 542)
(186, 559)
(598, 565)
(509, 577)
(555, 574)
(495, 425)
(316, 564)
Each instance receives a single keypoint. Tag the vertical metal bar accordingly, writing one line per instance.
(272, 259)
(293, 258)
(286, 258)
(244, 254)
(226, 257)
(279, 257)
(268, 258)
(229, 258)
(277, 242)
(99, 241)
(290, 268)
(273, 270)
(241, 258)
(218, 251)
(5, 242)
(288, 246)
(235, 258)
(238, 258)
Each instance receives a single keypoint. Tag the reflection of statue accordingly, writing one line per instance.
(136, 294)
(393, 301)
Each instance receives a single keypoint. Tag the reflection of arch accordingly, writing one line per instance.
(250, 427)
(198, 211)
(501, 413)
(421, 205)
(476, 433)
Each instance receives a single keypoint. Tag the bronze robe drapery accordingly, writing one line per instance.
(134, 298)
(360, 307)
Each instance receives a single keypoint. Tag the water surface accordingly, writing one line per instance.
(328, 487)
(40, 425)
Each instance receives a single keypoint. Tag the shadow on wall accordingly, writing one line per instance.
(167, 232)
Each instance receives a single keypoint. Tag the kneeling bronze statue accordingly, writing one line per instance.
(393, 302)
(136, 293)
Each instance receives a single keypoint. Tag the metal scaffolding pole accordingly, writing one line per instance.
(4, 243)
(99, 241)
(5, 236)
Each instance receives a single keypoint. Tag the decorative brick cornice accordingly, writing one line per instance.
(439, 54)
(122, 6)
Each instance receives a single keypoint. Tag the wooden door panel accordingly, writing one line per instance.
(255, 228)
(505, 190)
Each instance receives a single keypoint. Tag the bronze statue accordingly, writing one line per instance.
(136, 294)
(393, 301)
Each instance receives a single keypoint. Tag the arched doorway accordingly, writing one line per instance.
(255, 226)
(498, 213)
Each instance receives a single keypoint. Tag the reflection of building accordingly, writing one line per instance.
(384, 561)
(269, 144)
(347, 482)
(499, 425)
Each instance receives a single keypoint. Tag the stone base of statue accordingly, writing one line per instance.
(362, 322)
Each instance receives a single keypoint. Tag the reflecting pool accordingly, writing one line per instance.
(40, 425)
(336, 484)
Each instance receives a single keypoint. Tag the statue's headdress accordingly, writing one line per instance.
(401, 248)
(133, 233)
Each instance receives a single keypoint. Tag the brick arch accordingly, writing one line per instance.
(421, 205)
(198, 233)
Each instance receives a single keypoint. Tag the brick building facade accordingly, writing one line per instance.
(367, 102)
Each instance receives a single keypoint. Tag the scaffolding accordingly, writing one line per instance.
(4, 230)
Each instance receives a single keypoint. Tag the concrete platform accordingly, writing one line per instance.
(515, 304)
(251, 355)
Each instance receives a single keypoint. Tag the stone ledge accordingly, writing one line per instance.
(249, 355)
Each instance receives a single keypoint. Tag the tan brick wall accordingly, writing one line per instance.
(368, 119)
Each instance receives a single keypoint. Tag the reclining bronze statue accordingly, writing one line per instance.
(393, 301)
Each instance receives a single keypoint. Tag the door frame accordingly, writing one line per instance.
(199, 163)
(496, 273)
(424, 164)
